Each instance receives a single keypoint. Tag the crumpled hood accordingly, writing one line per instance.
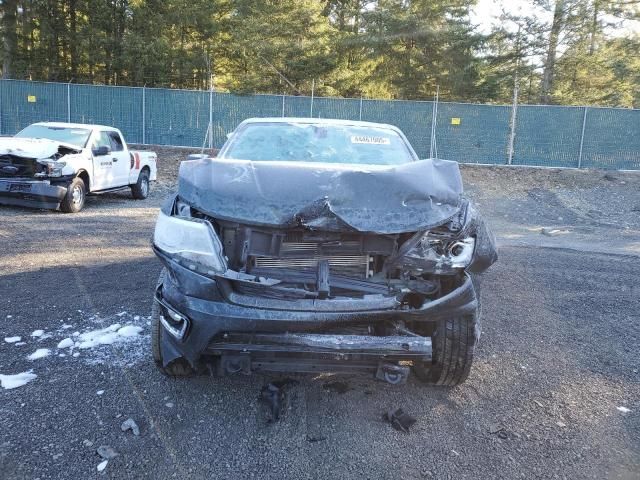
(33, 147)
(368, 198)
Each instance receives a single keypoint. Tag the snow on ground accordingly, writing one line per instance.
(39, 353)
(66, 343)
(118, 339)
(623, 409)
(14, 381)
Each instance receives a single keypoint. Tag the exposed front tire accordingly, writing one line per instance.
(75, 197)
(140, 190)
(177, 368)
(453, 341)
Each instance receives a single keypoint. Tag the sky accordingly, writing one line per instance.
(486, 13)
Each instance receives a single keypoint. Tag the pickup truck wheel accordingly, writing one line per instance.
(140, 190)
(177, 368)
(75, 197)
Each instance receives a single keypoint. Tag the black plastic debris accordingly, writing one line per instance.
(314, 439)
(399, 419)
(337, 387)
(274, 397)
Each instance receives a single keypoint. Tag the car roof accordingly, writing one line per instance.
(320, 121)
(75, 125)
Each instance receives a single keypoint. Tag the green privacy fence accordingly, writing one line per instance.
(551, 136)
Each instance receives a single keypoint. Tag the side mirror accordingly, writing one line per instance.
(101, 150)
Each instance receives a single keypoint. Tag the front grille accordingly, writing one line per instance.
(12, 166)
(306, 255)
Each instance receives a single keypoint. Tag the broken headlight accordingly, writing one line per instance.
(52, 168)
(190, 241)
(440, 254)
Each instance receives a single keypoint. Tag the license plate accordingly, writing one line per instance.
(20, 187)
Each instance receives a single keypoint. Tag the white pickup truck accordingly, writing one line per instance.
(56, 165)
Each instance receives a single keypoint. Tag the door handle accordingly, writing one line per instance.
(114, 159)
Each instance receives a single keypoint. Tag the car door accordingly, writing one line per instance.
(103, 175)
(121, 163)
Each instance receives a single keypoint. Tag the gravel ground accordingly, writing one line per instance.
(558, 357)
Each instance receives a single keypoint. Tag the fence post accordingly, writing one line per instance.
(313, 86)
(69, 102)
(433, 149)
(1, 90)
(584, 124)
(360, 118)
(144, 114)
(514, 114)
(283, 104)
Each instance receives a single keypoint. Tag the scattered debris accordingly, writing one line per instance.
(102, 465)
(66, 343)
(39, 353)
(495, 428)
(168, 405)
(623, 409)
(273, 397)
(129, 424)
(37, 333)
(538, 403)
(99, 392)
(12, 339)
(399, 420)
(19, 379)
(20, 343)
(337, 387)
(561, 424)
(553, 232)
(87, 443)
(106, 452)
(314, 439)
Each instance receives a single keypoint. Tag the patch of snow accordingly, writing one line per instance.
(66, 343)
(39, 353)
(623, 409)
(12, 339)
(37, 333)
(121, 314)
(9, 316)
(99, 392)
(77, 354)
(129, 331)
(66, 326)
(20, 343)
(93, 338)
(19, 379)
(102, 465)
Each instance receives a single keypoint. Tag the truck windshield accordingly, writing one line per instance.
(318, 142)
(74, 136)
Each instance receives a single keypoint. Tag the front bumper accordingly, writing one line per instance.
(212, 310)
(31, 193)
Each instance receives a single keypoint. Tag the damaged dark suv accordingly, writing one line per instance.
(315, 245)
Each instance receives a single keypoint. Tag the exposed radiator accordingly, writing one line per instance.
(306, 255)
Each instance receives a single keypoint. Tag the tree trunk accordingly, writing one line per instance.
(550, 62)
(9, 36)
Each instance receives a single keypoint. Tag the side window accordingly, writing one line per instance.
(116, 142)
(102, 140)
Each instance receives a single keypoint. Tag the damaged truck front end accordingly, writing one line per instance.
(340, 268)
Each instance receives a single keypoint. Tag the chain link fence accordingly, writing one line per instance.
(550, 136)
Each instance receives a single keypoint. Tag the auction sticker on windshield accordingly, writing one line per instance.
(370, 140)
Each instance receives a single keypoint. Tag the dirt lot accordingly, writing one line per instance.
(555, 391)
